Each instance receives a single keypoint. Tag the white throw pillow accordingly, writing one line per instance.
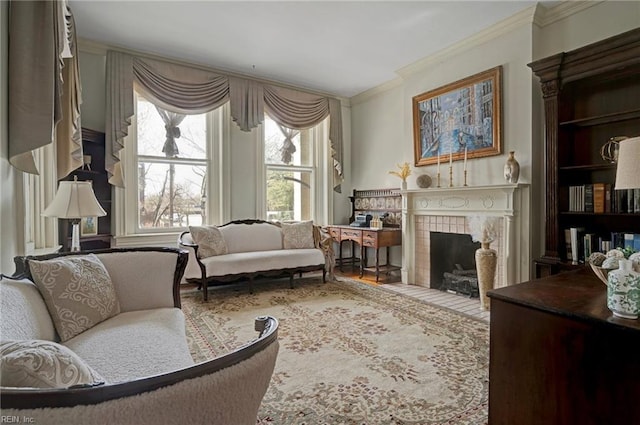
(298, 235)
(77, 290)
(209, 240)
(44, 364)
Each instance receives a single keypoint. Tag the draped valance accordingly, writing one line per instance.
(188, 90)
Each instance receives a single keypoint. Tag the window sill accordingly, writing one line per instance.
(151, 239)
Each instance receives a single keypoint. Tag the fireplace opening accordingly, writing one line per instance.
(453, 266)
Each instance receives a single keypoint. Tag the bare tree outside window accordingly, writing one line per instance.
(170, 188)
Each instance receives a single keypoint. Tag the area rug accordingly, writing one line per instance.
(352, 353)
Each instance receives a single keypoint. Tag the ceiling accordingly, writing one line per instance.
(337, 47)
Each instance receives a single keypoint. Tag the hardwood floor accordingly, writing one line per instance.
(460, 303)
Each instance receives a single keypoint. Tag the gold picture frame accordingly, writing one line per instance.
(88, 226)
(466, 114)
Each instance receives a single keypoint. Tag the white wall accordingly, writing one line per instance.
(92, 77)
(382, 129)
(600, 21)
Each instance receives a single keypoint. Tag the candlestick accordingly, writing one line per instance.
(438, 179)
(450, 176)
(465, 177)
(465, 159)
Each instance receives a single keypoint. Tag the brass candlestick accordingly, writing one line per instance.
(465, 177)
(450, 176)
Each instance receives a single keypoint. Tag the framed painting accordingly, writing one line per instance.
(460, 119)
(88, 226)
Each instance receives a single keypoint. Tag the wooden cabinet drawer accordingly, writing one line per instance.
(335, 233)
(351, 235)
(370, 238)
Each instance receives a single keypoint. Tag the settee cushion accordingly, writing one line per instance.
(24, 313)
(297, 235)
(43, 364)
(135, 344)
(260, 261)
(209, 239)
(254, 237)
(77, 290)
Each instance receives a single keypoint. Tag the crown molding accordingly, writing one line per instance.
(375, 91)
(524, 17)
(562, 11)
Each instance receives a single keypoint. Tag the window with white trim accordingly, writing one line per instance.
(295, 172)
(166, 190)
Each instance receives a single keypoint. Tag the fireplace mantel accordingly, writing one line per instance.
(511, 202)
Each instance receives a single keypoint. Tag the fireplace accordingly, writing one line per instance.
(452, 263)
(429, 212)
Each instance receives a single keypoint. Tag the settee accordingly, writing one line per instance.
(99, 338)
(250, 249)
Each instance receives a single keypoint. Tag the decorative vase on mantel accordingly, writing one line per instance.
(486, 262)
(512, 169)
(623, 291)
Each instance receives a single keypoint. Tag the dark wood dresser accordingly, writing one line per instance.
(558, 355)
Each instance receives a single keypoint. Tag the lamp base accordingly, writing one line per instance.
(75, 236)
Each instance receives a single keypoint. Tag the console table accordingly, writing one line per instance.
(559, 356)
(366, 237)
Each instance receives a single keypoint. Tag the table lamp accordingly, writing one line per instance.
(628, 170)
(74, 200)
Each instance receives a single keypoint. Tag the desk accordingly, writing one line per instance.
(366, 237)
(558, 355)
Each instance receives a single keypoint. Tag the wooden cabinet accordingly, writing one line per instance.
(558, 355)
(93, 146)
(366, 238)
(590, 95)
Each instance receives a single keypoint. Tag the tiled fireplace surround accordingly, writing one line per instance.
(446, 210)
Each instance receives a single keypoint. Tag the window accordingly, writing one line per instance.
(171, 188)
(165, 190)
(295, 185)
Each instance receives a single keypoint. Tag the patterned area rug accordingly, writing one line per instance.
(351, 353)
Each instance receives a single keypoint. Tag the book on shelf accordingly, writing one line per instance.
(628, 240)
(607, 198)
(588, 198)
(567, 242)
(636, 201)
(599, 198)
(620, 201)
(630, 203)
(590, 244)
(577, 252)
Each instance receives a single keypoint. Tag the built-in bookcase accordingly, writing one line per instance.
(590, 95)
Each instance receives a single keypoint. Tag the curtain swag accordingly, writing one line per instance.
(186, 90)
(44, 85)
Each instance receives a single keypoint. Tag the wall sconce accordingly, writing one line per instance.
(74, 200)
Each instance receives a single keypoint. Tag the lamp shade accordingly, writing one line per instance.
(628, 170)
(74, 199)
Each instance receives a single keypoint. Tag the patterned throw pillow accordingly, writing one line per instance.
(77, 290)
(298, 235)
(209, 240)
(44, 364)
